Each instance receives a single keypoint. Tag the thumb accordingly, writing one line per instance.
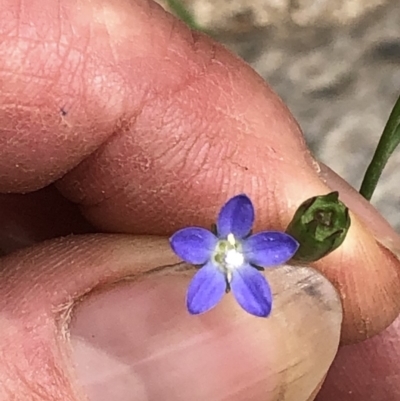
(103, 317)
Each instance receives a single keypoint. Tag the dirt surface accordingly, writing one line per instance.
(337, 67)
(231, 15)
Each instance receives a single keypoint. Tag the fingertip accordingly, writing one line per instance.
(366, 268)
(368, 278)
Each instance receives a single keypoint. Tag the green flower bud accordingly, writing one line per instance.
(320, 225)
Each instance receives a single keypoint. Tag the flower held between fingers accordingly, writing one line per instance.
(230, 260)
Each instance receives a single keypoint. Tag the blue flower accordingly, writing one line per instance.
(231, 259)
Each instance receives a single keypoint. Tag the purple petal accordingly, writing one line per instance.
(193, 244)
(269, 248)
(252, 291)
(236, 217)
(205, 290)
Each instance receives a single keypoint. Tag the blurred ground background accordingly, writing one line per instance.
(336, 63)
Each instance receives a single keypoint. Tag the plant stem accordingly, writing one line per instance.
(387, 144)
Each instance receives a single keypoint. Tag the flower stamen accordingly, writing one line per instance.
(228, 255)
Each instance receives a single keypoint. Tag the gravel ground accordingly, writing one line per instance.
(339, 74)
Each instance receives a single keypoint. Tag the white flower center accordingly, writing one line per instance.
(228, 255)
(233, 259)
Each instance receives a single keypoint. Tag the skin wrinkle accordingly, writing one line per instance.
(192, 157)
(167, 150)
(105, 196)
(75, 70)
(174, 34)
(9, 26)
(224, 158)
(54, 77)
(26, 343)
(186, 146)
(202, 215)
(18, 9)
(60, 20)
(195, 41)
(35, 390)
(238, 390)
(365, 325)
(183, 87)
(173, 150)
(114, 59)
(25, 274)
(63, 250)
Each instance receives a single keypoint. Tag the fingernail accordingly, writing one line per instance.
(136, 341)
(380, 228)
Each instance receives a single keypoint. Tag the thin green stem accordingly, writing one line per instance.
(387, 144)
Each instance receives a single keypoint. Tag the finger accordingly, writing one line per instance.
(367, 371)
(30, 218)
(234, 115)
(57, 100)
(370, 370)
(106, 316)
(197, 127)
(372, 282)
(316, 391)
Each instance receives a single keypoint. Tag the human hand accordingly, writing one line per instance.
(150, 127)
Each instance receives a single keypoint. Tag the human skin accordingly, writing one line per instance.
(149, 127)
